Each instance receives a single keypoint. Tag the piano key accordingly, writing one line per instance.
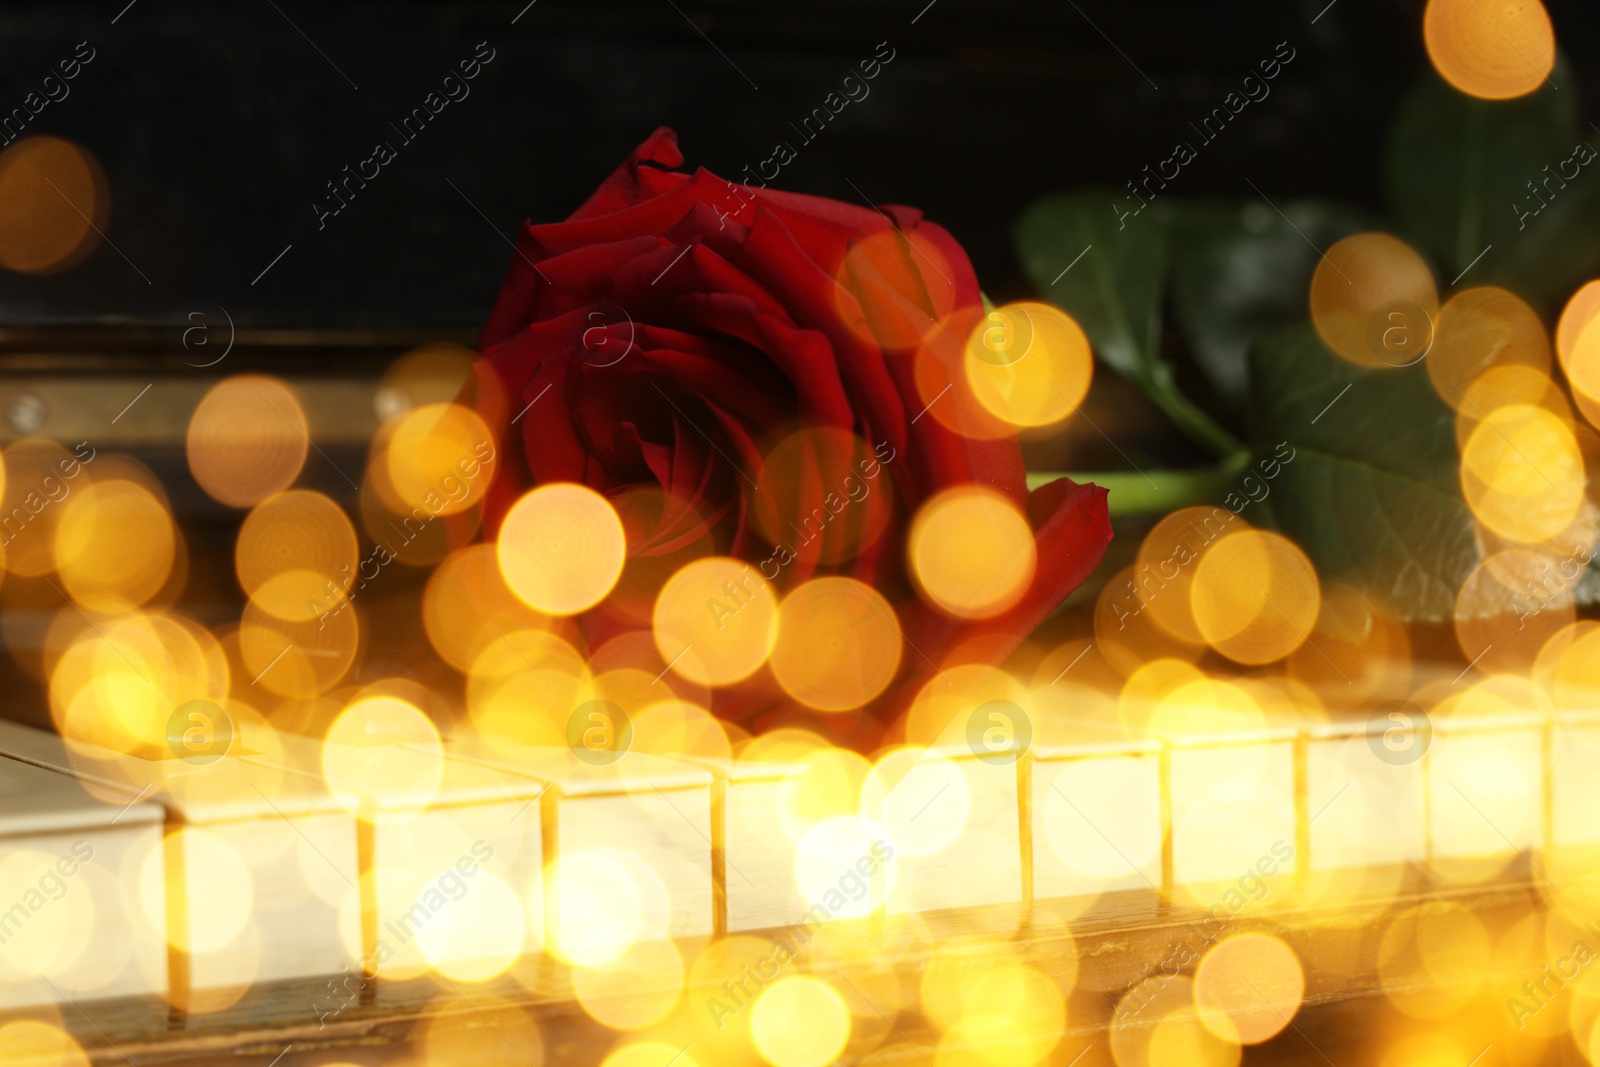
(754, 857)
(953, 818)
(450, 854)
(1485, 791)
(1365, 801)
(259, 866)
(67, 931)
(1096, 814)
(629, 841)
(1574, 786)
(1231, 796)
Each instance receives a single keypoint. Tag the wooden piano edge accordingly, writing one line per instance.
(1106, 952)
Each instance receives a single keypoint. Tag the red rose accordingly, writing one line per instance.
(677, 326)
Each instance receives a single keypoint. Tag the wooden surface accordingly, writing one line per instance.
(1122, 941)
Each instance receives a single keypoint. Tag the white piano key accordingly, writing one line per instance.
(66, 932)
(954, 821)
(256, 863)
(644, 820)
(443, 870)
(1232, 803)
(756, 856)
(1365, 792)
(1574, 774)
(1486, 792)
(1097, 822)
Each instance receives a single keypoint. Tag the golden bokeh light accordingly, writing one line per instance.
(115, 545)
(1255, 596)
(800, 1021)
(1168, 559)
(1479, 330)
(561, 548)
(1432, 959)
(298, 658)
(247, 439)
(54, 205)
(838, 644)
(524, 685)
(1492, 50)
(467, 606)
(229, 891)
(893, 287)
(40, 475)
(31, 1041)
(1523, 474)
(597, 907)
(971, 552)
(1374, 302)
(1248, 987)
(296, 555)
(478, 942)
(1125, 631)
(823, 494)
(716, 621)
(1509, 608)
(943, 391)
(440, 457)
(1029, 364)
(383, 758)
(635, 990)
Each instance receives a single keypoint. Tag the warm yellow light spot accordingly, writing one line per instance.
(1580, 310)
(1012, 1013)
(53, 195)
(651, 1054)
(509, 1038)
(1432, 960)
(217, 897)
(597, 908)
(971, 552)
(943, 391)
(1373, 301)
(436, 459)
(247, 439)
(838, 644)
(1168, 558)
(893, 287)
(921, 799)
(297, 659)
(1479, 330)
(523, 687)
(942, 709)
(57, 922)
(1509, 607)
(478, 936)
(800, 1021)
(1512, 384)
(115, 546)
(467, 607)
(1493, 49)
(29, 1041)
(679, 728)
(296, 555)
(957, 966)
(715, 621)
(830, 786)
(1255, 596)
(1582, 365)
(1248, 988)
(1155, 1025)
(1125, 631)
(561, 548)
(383, 758)
(824, 495)
(845, 865)
(1575, 683)
(1523, 474)
(1425, 1050)
(1029, 364)
(635, 990)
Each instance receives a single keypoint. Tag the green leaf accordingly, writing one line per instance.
(1104, 270)
(1089, 254)
(1372, 492)
(1458, 171)
(1241, 271)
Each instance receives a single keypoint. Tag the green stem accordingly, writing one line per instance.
(1158, 491)
(1201, 428)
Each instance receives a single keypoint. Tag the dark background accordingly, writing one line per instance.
(219, 123)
